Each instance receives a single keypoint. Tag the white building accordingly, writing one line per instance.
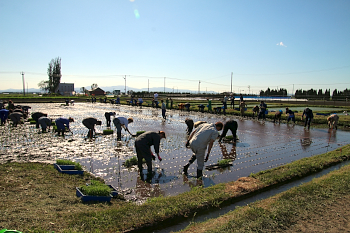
(66, 89)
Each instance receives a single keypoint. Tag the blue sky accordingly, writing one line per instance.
(194, 44)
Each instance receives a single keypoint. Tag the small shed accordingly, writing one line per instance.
(97, 91)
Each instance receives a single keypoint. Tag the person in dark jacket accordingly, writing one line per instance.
(62, 123)
(15, 118)
(36, 116)
(189, 123)
(143, 145)
(229, 125)
(108, 117)
(44, 123)
(291, 115)
(308, 117)
(90, 123)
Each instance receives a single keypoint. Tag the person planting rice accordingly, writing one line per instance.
(143, 145)
(90, 123)
(333, 121)
(242, 106)
(262, 112)
(308, 117)
(278, 116)
(291, 115)
(62, 123)
(15, 118)
(120, 122)
(4, 113)
(36, 116)
(189, 123)
(255, 110)
(108, 118)
(229, 125)
(210, 109)
(163, 110)
(44, 122)
(203, 137)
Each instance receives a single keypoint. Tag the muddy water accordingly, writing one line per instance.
(262, 145)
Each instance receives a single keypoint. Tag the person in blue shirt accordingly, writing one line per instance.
(291, 115)
(62, 124)
(262, 112)
(4, 113)
(308, 117)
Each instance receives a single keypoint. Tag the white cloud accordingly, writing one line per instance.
(281, 44)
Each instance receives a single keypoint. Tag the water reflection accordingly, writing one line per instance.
(225, 155)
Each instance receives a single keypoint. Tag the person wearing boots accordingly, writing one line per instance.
(143, 145)
(62, 123)
(120, 122)
(44, 122)
(229, 125)
(90, 123)
(36, 116)
(108, 117)
(203, 137)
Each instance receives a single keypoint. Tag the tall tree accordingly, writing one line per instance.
(94, 86)
(44, 85)
(54, 73)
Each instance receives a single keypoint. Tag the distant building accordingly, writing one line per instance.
(66, 89)
(97, 91)
(116, 92)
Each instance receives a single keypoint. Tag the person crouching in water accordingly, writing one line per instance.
(44, 123)
(108, 118)
(291, 115)
(333, 121)
(278, 116)
(16, 118)
(62, 124)
(120, 122)
(90, 123)
(203, 137)
(229, 125)
(143, 145)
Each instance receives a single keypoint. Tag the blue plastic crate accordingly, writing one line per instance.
(68, 169)
(85, 198)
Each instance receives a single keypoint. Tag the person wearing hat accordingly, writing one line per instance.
(120, 122)
(203, 137)
(308, 117)
(278, 116)
(143, 145)
(90, 123)
(62, 123)
(108, 117)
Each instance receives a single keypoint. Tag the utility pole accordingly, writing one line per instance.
(249, 89)
(199, 87)
(293, 90)
(164, 85)
(125, 85)
(148, 86)
(231, 81)
(24, 86)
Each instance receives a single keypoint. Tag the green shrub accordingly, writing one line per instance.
(96, 188)
(107, 131)
(32, 122)
(139, 132)
(132, 161)
(68, 162)
(224, 162)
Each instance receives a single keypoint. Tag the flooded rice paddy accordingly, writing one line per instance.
(261, 146)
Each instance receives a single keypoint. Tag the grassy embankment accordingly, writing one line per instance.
(36, 198)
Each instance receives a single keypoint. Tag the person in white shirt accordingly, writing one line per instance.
(120, 122)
